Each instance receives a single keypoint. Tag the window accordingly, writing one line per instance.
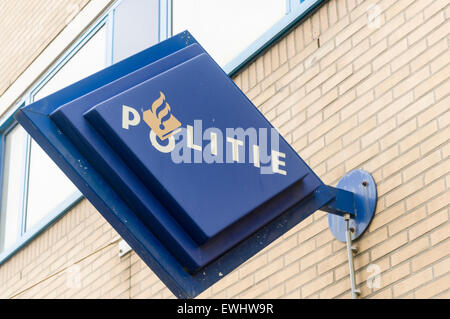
(136, 27)
(48, 187)
(32, 186)
(226, 28)
(33, 190)
(234, 31)
(13, 150)
(87, 60)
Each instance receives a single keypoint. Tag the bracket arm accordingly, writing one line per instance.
(343, 202)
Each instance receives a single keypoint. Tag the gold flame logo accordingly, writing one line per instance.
(160, 118)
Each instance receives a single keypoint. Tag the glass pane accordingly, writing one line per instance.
(136, 27)
(12, 187)
(88, 60)
(48, 187)
(226, 27)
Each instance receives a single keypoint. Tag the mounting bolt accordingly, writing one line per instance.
(354, 249)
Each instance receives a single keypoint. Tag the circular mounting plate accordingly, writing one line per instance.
(362, 184)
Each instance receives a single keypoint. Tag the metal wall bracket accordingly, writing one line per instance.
(351, 211)
(124, 248)
(350, 251)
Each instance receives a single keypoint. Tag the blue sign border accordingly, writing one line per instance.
(35, 119)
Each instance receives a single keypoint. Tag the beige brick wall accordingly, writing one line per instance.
(27, 27)
(348, 89)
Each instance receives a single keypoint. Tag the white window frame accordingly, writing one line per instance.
(99, 13)
(8, 123)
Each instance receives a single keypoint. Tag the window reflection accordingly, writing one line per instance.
(226, 28)
(48, 187)
(12, 186)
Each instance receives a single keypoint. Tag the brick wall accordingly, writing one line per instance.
(348, 88)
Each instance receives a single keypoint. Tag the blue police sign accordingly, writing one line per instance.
(179, 162)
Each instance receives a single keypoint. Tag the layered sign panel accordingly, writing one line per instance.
(178, 160)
